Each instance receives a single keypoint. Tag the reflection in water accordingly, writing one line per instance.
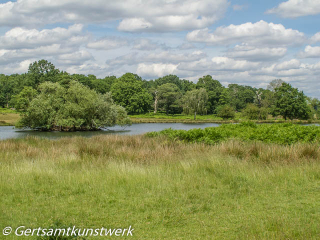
(7, 132)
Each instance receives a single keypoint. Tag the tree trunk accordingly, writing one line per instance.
(155, 104)
(195, 115)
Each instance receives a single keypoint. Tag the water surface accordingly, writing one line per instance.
(7, 132)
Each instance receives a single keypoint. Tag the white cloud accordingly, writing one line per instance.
(296, 8)
(134, 16)
(108, 43)
(165, 57)
(156, 69)
(18, 38)
(288, 65)
(251, 53)
(8, 56)
(218, 64)
(310, 52)
(147, 45)
(76, 58)
(315, 38)
(258, 34)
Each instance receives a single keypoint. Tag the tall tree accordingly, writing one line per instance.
(214, 90)
(128, 92)
(195, 101)
(290, 103)
(41, 71)
(169, 94)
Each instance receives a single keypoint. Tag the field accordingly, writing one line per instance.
(164, 189)
(8, 117)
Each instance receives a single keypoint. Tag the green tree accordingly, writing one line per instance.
(128, 92)
(195, 101)
(240, 96)
(226, 112)
(73, 108)
(169, 94)
(22, 100)
(290, 103)
(214, 90)
(253, 112)
(41, 71)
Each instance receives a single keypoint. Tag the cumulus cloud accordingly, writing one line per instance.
(18, 38)
(20, 44)
(134, 16)
(108, 43)
(310, 52)
(76, 58)
(218, 64)
(148, 45)
(9, 56)
(165, 57)
(156, 69)
(315, 38)
(257, 34)
(252, 53)
(296, 8)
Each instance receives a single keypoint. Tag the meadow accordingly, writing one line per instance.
(163, 188)
(8, 117)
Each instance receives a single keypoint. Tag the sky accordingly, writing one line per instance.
(248, 42)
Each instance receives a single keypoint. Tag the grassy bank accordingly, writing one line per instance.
(8, 117)
(164, 189)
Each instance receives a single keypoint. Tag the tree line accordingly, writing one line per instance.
(168, 94)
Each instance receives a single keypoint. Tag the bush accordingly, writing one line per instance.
(284, 134)
(226, 112)
(253, 112)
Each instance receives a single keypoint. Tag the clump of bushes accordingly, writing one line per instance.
(226, 112)
(253, 112)
(284, 134)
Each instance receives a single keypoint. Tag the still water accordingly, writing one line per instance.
(7, 132)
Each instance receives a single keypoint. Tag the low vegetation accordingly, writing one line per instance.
(8, 117)
(286, 133)
(164, 189)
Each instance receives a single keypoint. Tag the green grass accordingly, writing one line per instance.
(164, 189)
(8, 117)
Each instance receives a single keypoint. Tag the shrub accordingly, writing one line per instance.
(226, 112)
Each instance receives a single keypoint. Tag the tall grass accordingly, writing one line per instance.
(164, 189)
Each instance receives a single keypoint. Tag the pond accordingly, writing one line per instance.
(7, 132)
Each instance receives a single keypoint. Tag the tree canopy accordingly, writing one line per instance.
(70, 109)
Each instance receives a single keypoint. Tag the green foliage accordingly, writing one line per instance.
(225, 112)
(240, 96)
(195, 101)
(169, 95)
(128, 92)
(214, 90)
(291, 103)
(270, 133)
(252, 112)
(74, 108)
(22, 100)
(42, 71)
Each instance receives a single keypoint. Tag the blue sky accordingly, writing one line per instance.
(235, 41)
